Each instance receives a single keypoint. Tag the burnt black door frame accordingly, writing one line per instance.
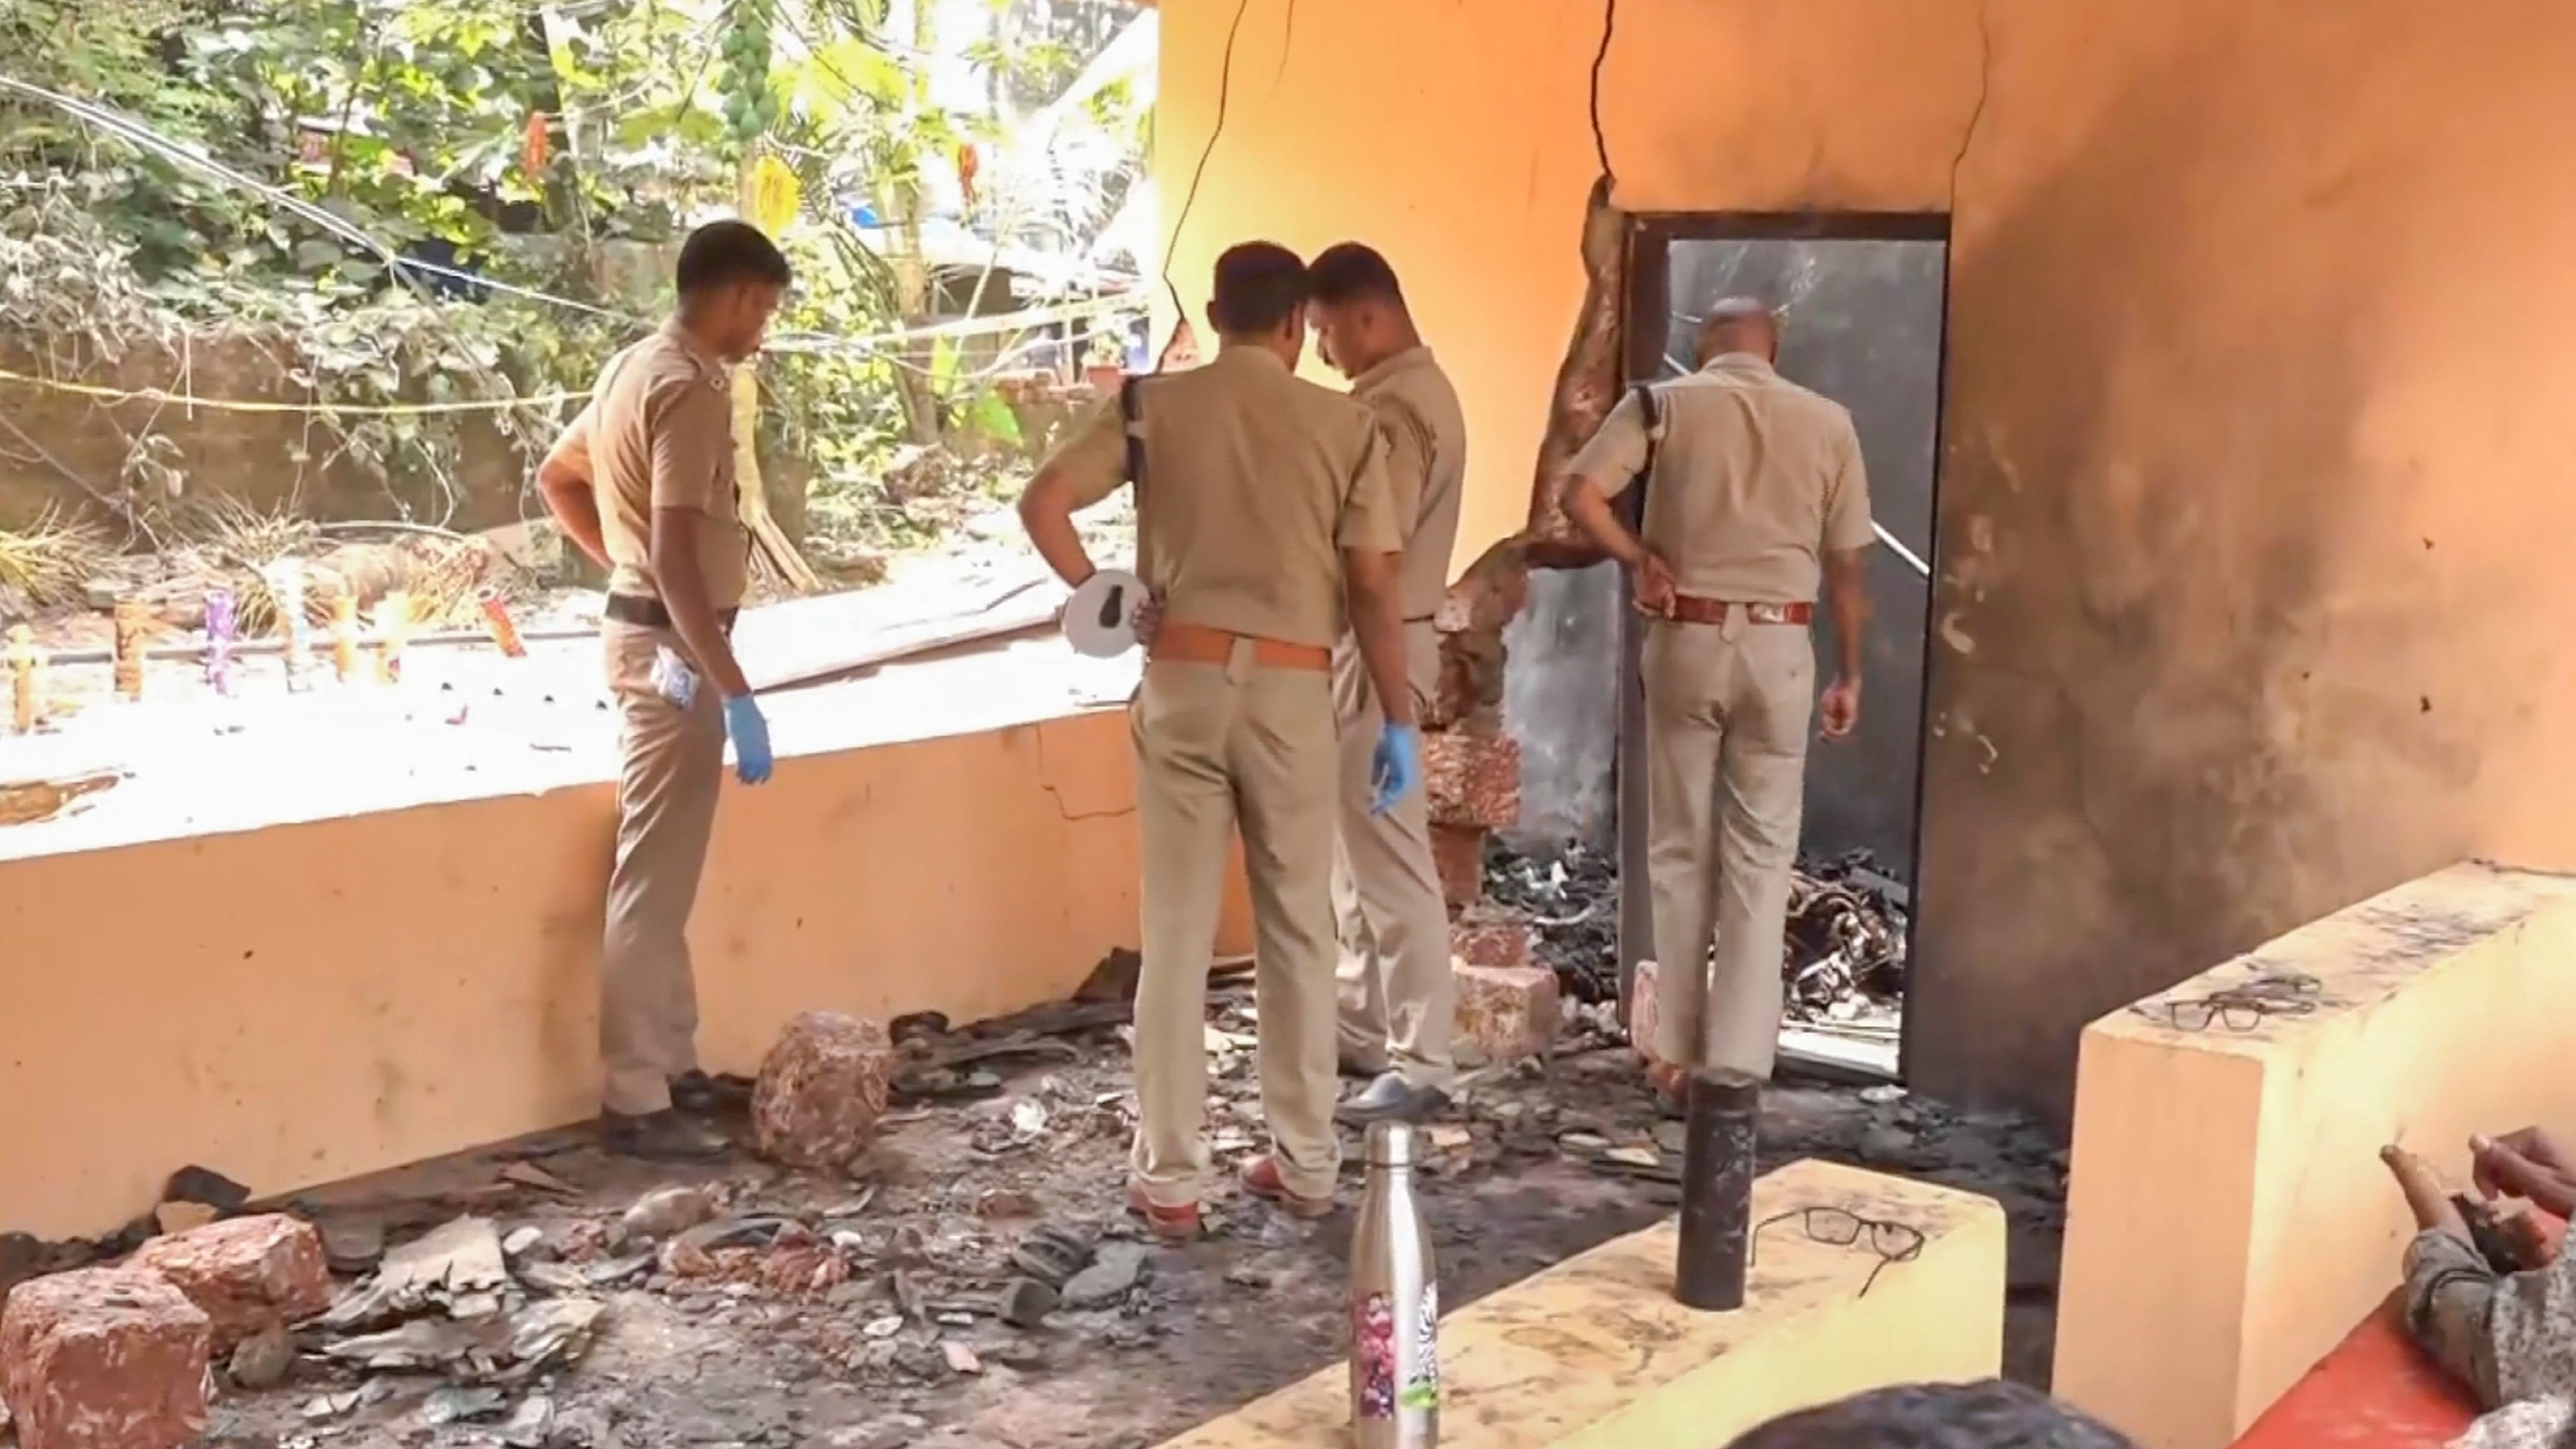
(1649, 300)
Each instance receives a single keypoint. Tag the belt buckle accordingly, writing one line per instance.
(1767, 613)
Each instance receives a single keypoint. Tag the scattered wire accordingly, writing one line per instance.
(243, 405)
(1600, 57)
(141, 136)
(1224, 93)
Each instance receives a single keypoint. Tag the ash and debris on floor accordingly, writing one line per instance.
(975, 1281)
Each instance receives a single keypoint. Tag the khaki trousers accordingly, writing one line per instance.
(1727, 708)
(671, 764)
(1397, 997)
(1218, 747)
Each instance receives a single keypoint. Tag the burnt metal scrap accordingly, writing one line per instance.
(1844, 946)
(1846, 934)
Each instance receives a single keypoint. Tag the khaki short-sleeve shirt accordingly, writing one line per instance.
(1255, 480)
(658, 433)
(1422, 429)
(1755, 479)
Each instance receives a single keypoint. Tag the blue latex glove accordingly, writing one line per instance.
(1396, 767)
(750, 735)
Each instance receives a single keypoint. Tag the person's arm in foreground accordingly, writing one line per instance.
(1602, 471)
(1373, 599)
(1086, 468)
(565, 481)
(1848, 535)
(686, 470)
(1847, 592)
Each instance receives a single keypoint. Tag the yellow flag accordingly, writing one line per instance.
(775, 194)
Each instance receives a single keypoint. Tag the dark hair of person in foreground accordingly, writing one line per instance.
(1989, 1415)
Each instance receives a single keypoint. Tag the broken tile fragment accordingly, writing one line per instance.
(353, 1245)
(448, 1265)
(104, 1358)
(205, 1186)
(1508, 1012)
(1117, 1268)
(1026, 1302)
(664, 1211)
(263, 1360)
(246, 1274)
(821, 1090)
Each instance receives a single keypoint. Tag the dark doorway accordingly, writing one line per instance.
(1863, 300)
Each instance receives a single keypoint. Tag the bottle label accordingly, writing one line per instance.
(1383, 1385)
(1422, 1384)
(1373, 1356)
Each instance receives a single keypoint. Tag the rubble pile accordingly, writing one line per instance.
(970, 1271)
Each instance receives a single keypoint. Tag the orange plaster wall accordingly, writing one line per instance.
(307, 1002)
(2255, 499)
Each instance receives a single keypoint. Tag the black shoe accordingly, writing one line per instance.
(694, 1091)
(1391, 1099)
(664, 1136)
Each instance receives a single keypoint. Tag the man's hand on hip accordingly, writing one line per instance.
(750, 735)
(1838, 713)
(1148, 622)
(1654, 587)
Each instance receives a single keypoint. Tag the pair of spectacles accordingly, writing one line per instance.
(2233, 1011)
(1841, 1228)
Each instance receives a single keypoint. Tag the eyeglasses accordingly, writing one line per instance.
(1840, 1228)
(2241, 1007)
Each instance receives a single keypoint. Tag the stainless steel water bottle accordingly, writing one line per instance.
(1394, 1304)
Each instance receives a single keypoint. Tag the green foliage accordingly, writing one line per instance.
(545, 147)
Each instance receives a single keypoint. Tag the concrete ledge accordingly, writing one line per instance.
(1594, 1352)
(2228, 1220)
(297, 1003)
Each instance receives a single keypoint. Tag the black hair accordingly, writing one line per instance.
(1994, 1414)
(1259, 286)
(730, 253)
(1350, 271)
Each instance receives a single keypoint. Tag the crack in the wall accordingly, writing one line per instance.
(1985, 88)
(1055, 792)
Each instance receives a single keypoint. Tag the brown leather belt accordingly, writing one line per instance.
(1198, 644)
(646, 613)
(1692, 609)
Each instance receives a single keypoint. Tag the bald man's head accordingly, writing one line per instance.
(1739, 324)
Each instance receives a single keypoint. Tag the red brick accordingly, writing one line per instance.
(1490, 938)
(1472, 779)
(1458, 852)
(821, 1090)
(245, 1274)
(1508, 1012)
(1488, 595)
(104, 1358)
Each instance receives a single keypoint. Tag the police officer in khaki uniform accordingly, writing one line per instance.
(1397, 994)
(1757, 494)
(1263, 525)
(643, 482)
